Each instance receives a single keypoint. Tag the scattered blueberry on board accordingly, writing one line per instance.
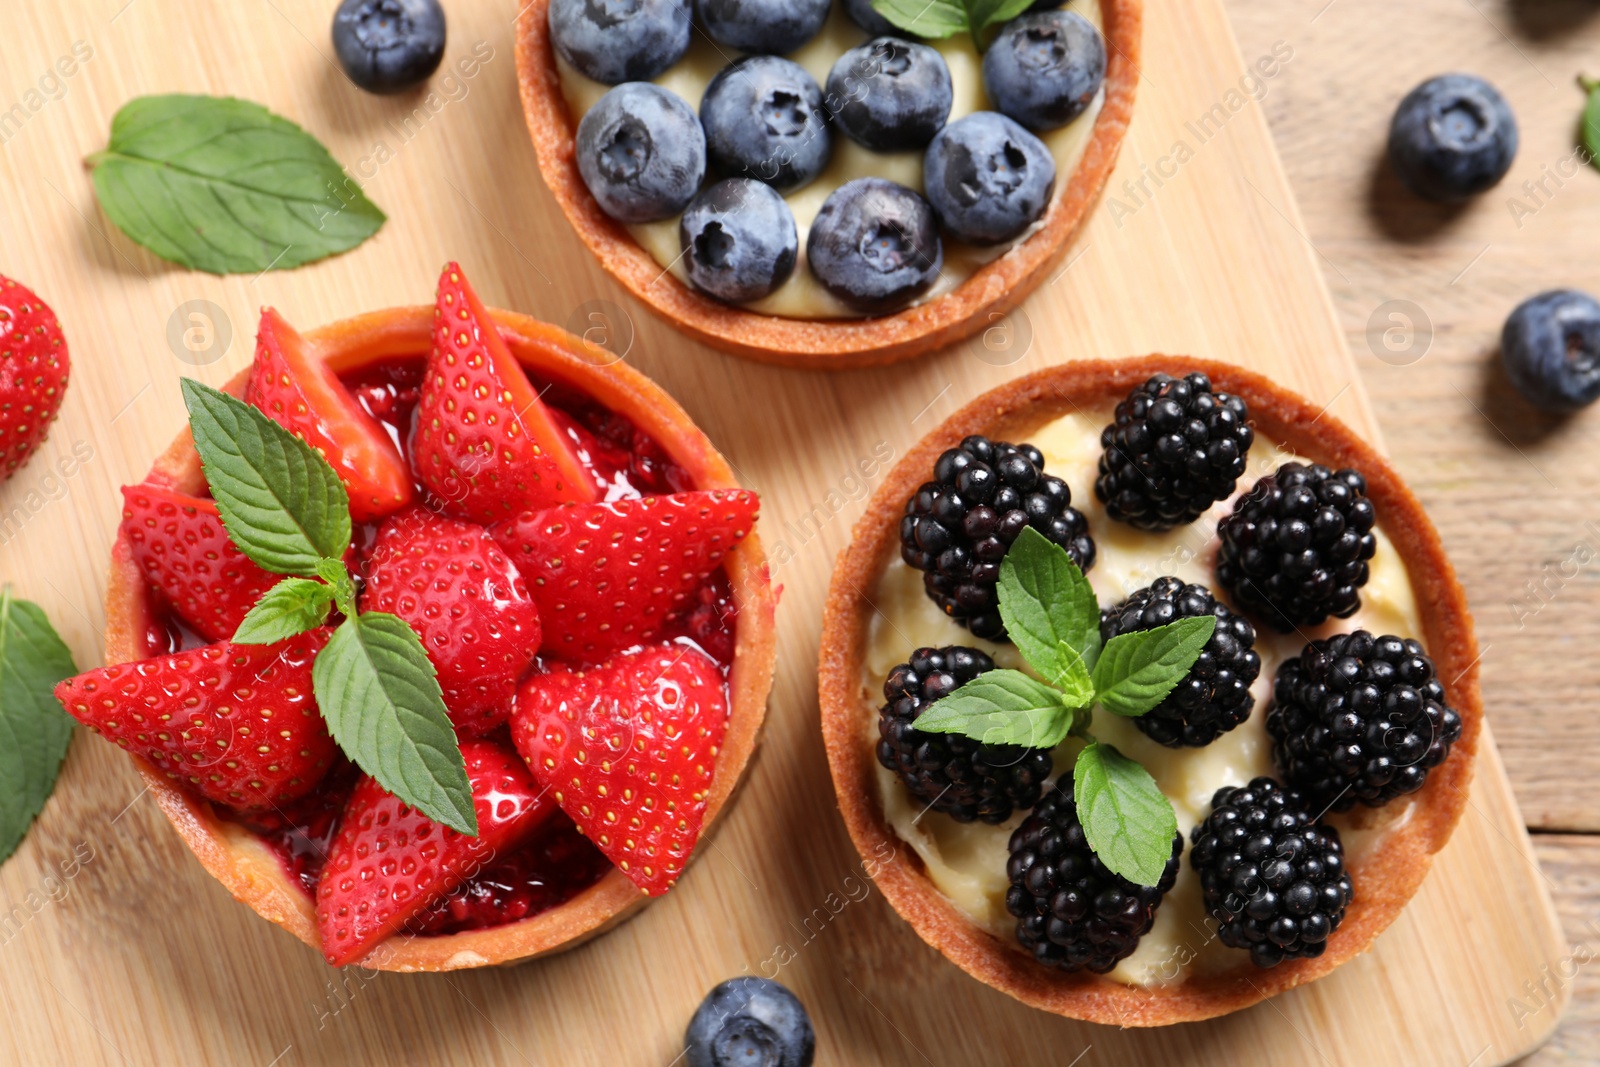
(890, 95)
(1452, 137)
(1044, 69)
(739, 240)
(641, 152)
(775, 27)
(389, 46)
(1551, 350)
(764, 119)
(988, 178)
(750, 1022)
(875, 245)
(614, 43)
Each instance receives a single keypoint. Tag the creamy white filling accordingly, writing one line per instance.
(967, 861)
(802, 296)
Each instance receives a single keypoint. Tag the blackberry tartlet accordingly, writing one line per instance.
(1063, 905)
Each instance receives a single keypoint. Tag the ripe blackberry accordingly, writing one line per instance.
(1072, 912)
(1175, 449)
(1214, 696)
(1359, 718)
(1273, 878)
(1295, 547)
(958, 527)
(957, 775)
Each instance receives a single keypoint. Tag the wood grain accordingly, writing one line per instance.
(120, 950)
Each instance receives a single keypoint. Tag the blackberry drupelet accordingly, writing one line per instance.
(958, 527)
(1359, 718)
(957, 775)
(1273, 877)
(1072, 912)
(1214, 696)
(1175, 449)
(1295, 547)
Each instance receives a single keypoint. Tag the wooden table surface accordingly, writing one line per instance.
(1515, 494)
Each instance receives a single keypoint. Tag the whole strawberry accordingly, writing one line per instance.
(388, 862)
(236, 723)
(468, 604)
(33, 373)
(628, 750)
(609, 576)
(182, 549)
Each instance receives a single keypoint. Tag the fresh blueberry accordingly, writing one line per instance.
(988, 178)
(388, 46)
(863, 14)
(750, 1022)
(875, 245)
(1044, 69)
(890, 95)
(641, 152)
(764, 119)
(1551, 349)
(739, 240)
(774, 27)
(1452, 137)
(614, 41)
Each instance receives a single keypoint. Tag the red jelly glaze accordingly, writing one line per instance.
(559, 862)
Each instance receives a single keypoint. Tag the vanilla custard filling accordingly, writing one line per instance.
(967, 861)
(802, 296)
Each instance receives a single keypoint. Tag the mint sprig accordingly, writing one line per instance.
(938, 19)
(34, 731)
(287, 510)
(1052, 615)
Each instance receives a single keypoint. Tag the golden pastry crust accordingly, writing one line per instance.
(248, 868)
(822, 344)
(1385, 876)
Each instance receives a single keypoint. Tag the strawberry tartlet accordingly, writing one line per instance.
(572, 556)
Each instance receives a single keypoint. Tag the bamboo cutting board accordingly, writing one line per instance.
(114, 945)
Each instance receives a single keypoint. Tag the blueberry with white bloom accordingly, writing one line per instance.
(988, 178)
(775, 27)
(1044, 69)
(764, 119)
(641, 152)
(615, 41)
(875, 245)
(890, 95)
(739, 240)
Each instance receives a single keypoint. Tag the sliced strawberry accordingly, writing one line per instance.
(484, 443)
(389, 862)
(301, 393)
(609, 576)
(182, 549)
(236, 723)
(456, 588)
(628, 750)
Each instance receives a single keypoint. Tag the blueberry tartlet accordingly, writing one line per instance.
(485, 458)
(922, 185)
(1159, 689)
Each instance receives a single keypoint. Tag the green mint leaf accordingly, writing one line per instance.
(291, 607)
(1002, 707)
(1129, 823)
(337, 575)
(280, 501)
(378, 693)
(934, 19)
(1046, 603)
(1075, 683)
(1591, 119)
(227, 187)
(1137, 670)
(983, 14)
(34, 731)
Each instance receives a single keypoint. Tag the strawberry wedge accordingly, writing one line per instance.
(300, 393)
(388, 862)
(628, 750)
(236, 723)
(610, 576)
(181, 548)
(484, 443)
